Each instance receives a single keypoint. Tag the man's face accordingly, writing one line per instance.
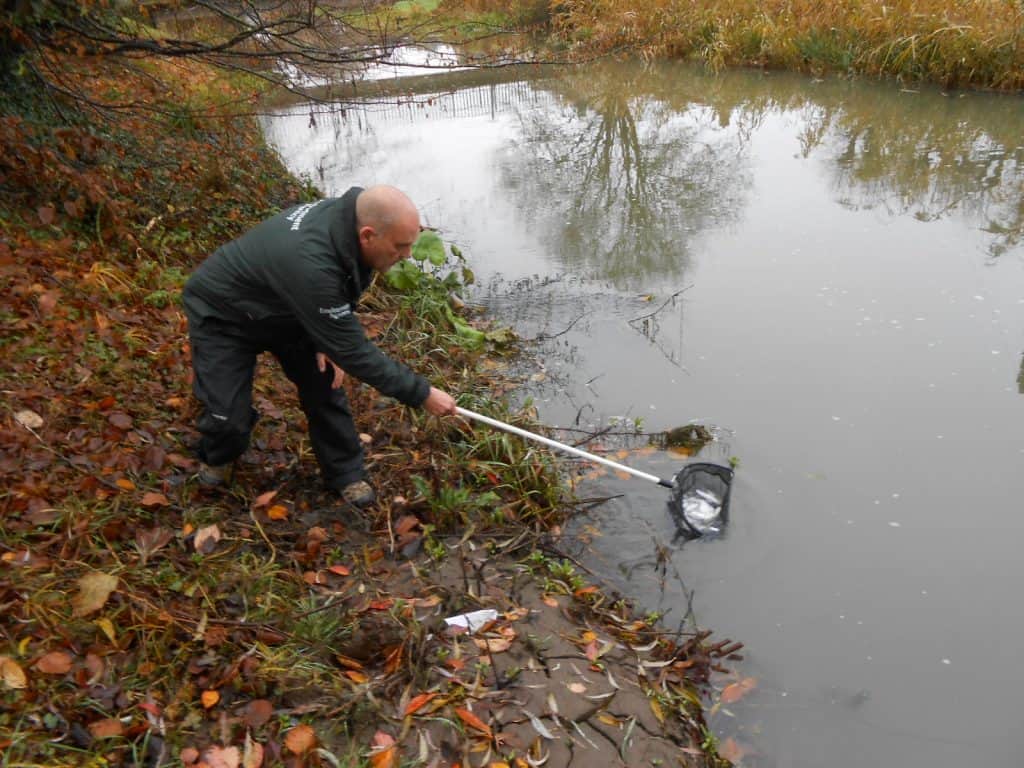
(381, 250)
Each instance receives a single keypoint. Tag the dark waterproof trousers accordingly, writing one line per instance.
(223, 362)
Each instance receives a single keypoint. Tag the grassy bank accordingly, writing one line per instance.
(955, 44)
(148, 621)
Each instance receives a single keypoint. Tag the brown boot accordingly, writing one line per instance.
(359, 494)
(214, 477)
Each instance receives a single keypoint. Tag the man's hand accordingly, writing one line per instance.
(322, 361)
(439, 403)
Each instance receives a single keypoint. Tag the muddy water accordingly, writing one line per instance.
(848, 314)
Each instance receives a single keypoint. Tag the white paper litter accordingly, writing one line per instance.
(473, 620)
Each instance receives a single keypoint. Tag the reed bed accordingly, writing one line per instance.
(956, 43)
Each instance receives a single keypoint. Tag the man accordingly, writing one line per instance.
(290, 286)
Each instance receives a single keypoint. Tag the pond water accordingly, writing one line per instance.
(848, 315)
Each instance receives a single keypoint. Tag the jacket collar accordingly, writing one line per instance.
(345, 239)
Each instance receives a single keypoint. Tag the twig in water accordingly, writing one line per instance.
(543, 336)
(663, 305)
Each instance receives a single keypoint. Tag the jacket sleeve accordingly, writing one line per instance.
(316, 296)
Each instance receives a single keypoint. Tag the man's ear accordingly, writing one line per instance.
(366, 233)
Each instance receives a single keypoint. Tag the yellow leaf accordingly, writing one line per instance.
(608, 719)
(94, 589)
(656, 709)
(278, 512)
(209, 698)
(12, 673)
(107, 626)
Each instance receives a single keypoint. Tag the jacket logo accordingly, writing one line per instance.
(296, 216)
(336, 313)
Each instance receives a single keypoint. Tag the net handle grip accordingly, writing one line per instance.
(562, 446)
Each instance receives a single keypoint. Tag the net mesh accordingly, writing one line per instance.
(700, 499)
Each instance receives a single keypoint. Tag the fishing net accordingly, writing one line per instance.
(700, 499)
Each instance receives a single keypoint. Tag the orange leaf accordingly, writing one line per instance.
(209, 698)
(105, 729)
(339, 570)
(385, 751)
(54, 663)
(125, 484)
(153, 499)
(736, 691)
(473, 721)
(732, 750)
(417, 703)
(258, 712)
(278, 512)
(345, 661)
(300, 739)
(356, 676)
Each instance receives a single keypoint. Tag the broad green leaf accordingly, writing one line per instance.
(404, 276)
(430, 247)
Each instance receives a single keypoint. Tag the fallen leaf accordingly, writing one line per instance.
(355, 676)
(106, 728)
(492, 644)
(46, 214)
(549, 601)
(54, 663)
(94, 590)
(252, 757)
(154, 499)
(736, 691)
(406, 523)
(384, 752)
(29, 419)
(222, 757)
(12, 673)
(120, 420)
(417, 703)
(278, 512)
(263, 499)
(732, 750)
(107, 627)
(206, 539)
(300, 739)
(657, 710)
(577, 687)
(339, 570)
(124, 484)
(209, 698)
(189, 755)
(258, 712)
(473, 721)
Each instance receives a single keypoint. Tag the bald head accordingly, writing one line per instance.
(381, 207)
(388, 224)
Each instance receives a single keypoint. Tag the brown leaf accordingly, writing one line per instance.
(106, 728)
(46, 214)
(206, 539)
(12, 674)
(473, 721)
(150, 540)
(258, 712)
(417, 703)
(154, 499)
(94, 590)
(120, 420)
(300, 739)
(54, 663)
(492, 644)
(339, 570)
(736, 691)
(189, 755)
(406, 523)
(263, 499)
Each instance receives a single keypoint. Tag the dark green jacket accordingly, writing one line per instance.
(302, 268)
